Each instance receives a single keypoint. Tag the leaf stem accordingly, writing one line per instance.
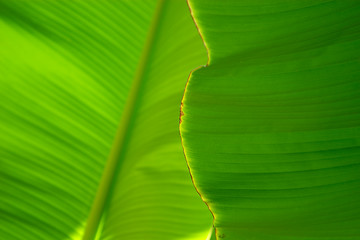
(107, 180)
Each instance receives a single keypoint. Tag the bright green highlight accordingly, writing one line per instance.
(66, 73)
(271, 126)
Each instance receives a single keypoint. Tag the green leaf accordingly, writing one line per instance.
(69, 71)
(271, 126)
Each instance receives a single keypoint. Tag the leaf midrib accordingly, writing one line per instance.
(118, 147)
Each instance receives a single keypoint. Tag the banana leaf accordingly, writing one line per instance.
(271, 125)
(74, 76)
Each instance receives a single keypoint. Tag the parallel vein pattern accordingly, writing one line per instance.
(160, 204)
(66, 69)
(271, 127)
(123, 134)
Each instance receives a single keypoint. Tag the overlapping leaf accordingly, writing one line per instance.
(271, 126)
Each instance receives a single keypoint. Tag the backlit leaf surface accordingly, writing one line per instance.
(67, 69)
(271, 126)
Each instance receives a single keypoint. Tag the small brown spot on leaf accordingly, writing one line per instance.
(221, 236)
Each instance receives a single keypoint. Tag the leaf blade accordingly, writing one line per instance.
(270, 126)
(63, 91)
